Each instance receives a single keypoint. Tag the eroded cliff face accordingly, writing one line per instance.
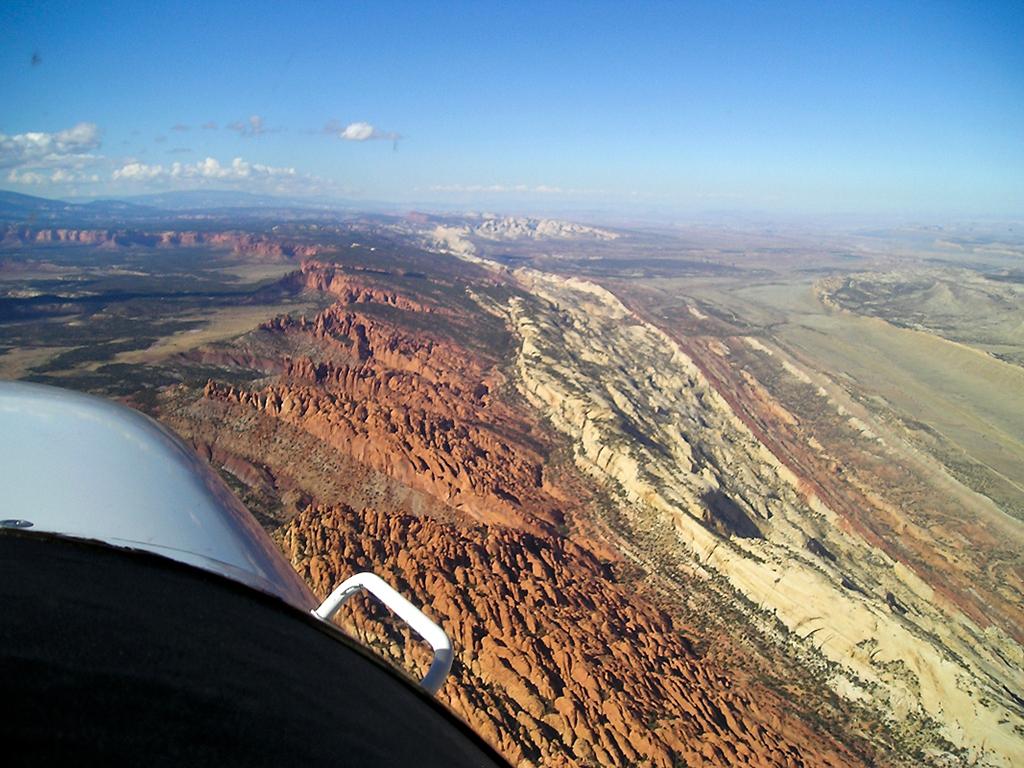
(416, 408)
(385, 444)
(322, 277)
(254, 246)
(645, 421)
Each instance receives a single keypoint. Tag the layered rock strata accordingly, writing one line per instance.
(645, 421)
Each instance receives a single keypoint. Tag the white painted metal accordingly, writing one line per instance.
(85, 467)
(409, 613)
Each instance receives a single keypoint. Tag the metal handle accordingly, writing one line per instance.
(409, 613)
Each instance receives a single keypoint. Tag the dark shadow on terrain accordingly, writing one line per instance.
(725, 517)
(51, 305)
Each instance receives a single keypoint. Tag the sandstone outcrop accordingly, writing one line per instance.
(258, 247)
(419, 409)
(645, 420)
(560, 661)
(557, 664)
(327, 278)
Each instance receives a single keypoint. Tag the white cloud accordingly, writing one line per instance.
(357, 132)
(360, 131)
(254, 126)
(64, 176)
(36, 149)
(203, 170)
(138, 172)
(67, 158)
(210, 172)
(59, 176)
(25, 177)
(37, 158)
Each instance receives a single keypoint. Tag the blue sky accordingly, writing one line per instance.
(790, 107)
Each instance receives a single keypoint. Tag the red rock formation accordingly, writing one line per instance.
(366, 337)
(418, 409)
(261, 246)
(257, 246)
(333, 280)
(91, 237)
(557, 664)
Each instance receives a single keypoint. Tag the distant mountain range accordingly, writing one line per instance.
(197, 199)
(28, 210)
(166, 208)
(16, 208)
